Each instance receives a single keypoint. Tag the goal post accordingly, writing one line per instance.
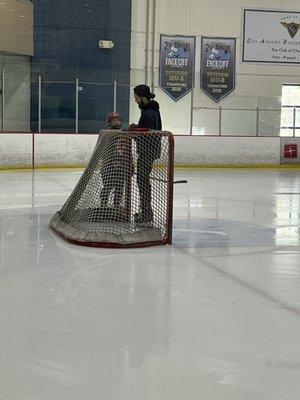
(124, 197)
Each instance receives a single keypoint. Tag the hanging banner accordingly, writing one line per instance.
(177, 65)
(217, 67)
(271, 36)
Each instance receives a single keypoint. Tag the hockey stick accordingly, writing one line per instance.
(181, 181)
(164, 181)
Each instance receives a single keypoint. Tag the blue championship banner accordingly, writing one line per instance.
(177, 65)
(217, 67)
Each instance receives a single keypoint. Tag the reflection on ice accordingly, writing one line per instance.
(215, 316)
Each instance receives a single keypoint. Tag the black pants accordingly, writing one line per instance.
(112, 181)
(144, 168)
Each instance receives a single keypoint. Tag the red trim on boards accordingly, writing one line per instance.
(174, 134)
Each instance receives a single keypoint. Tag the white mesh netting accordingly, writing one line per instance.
(125, 195)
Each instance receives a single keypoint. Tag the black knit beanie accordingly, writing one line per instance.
(143, 91)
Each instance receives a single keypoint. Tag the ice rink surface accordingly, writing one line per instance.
(216, 316)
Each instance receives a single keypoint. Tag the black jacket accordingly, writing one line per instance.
(151, 119)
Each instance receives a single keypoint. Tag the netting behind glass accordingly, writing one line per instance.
(125, 195)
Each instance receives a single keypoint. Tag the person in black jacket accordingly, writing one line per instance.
(148, 149)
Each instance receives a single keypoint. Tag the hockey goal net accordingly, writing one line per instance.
(124, 197)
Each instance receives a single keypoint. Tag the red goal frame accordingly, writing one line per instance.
(169, 212)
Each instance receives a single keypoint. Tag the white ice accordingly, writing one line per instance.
(216, 316)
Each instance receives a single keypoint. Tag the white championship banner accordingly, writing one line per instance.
(271, 36)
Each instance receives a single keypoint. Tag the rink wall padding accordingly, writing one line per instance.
(54, 150)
